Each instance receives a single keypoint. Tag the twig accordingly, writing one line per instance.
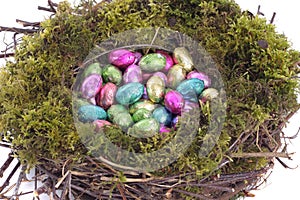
(26, 24)
(6, 55)
(17, 30)
(153, 39)
(6, 183)
(261, 154)
(19, 181)
(273, 17)
(6, 164)
(45, 188)
(259, 12)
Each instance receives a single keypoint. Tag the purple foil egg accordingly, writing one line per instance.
(100, 123)
(200, 75)
(133, 73)
(90, 86)
(169, 59)
(174, 102)
(121, 58)
(107, 95)
(164, 129)
(162, 75)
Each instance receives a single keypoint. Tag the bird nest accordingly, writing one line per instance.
(252, 67)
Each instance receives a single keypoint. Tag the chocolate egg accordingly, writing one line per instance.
(183, 57)
(121, 58)
(90, 113)
(145, 128)
(190, 89)
(200, 75)
(141, 114)
(174, 102)
(114, 110)
(175, 75)
(169, 60)
(111, 74)
(93, 68)
(100, 123)
(143, 103)
(90, 86)
(133, 73)
(106, 96)
(155, 89)
(162, 115)
(129, 93)
(152, 62)
(123, 120)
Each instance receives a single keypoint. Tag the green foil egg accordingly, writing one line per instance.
(175, 75)
(147, 104)
(111, 74)
(155, 88)
(123, 120)
(152, 62)
(90, 113)
(190, 89)
(182, 56)
(145, 128)
(141, 114)
(114, 110)
(93, 68)
(129, 93)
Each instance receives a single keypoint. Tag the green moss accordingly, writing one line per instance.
(36, 106)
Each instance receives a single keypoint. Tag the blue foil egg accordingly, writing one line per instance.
(162, 115)
(90, 113)
(190, 89)
(129, 93)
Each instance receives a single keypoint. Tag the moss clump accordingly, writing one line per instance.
(36, 105)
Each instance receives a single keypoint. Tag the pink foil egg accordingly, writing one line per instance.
(174, 102)
(100, 123)
(107, 95)
(200, 75)
(121, 58)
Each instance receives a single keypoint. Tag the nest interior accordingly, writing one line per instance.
(256, 63)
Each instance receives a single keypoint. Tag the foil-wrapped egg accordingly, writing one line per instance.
(162, 115)
(183, 57)
(200, 75)
(129, 93)
(155, 88)
(90, 86)
(145, 128)
(208, 94)
(133, 73)
(143, 103)
(152, 62)
(90, 113)
(175, 75)
(111, 74)
(114, 110)
(93, 68)
(100, 123)
(121, 58)
(190, 89)
(106, 96)
(169, 60)
(141, 114)
(162, 75)
(174, 102)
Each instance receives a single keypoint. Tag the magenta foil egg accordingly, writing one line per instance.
(138, 56)
(121, 58)
(200, 75)
(133, 73)
(174, 102)
(169, 59)
(90, 86)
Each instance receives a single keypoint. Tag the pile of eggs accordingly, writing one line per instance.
(146, 93)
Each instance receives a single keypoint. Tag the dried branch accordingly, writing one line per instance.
(7, 181)
(26, 24)
(18, 30)
(6, 164)
(261, 154)
(19, 181)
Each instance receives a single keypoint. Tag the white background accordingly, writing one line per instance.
(283, 183)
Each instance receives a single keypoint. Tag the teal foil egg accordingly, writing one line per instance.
(155, 88)
(90, 113)
(143, 103)
(114, 110)
(112, 74)
(162, 115)
(175, 75)
(190, 89)
(183, 57)
(129, 93)
(145, 128)
(141, 114)
(152, 62)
